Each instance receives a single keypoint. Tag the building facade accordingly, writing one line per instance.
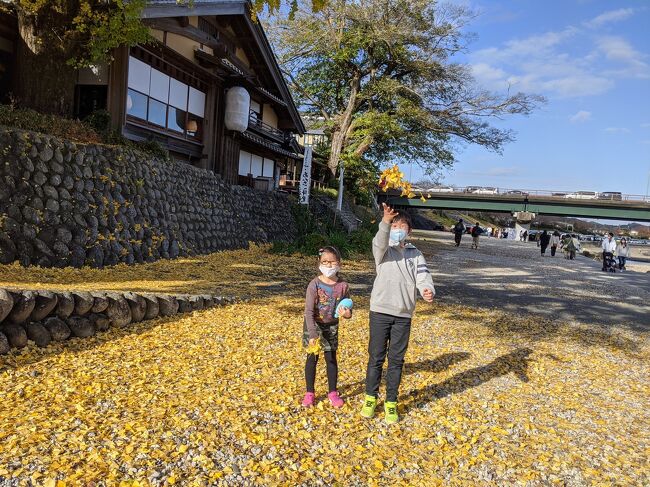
(174, 90)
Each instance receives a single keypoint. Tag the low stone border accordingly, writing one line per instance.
(46, 316)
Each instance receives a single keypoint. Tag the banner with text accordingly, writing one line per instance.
(305, 177)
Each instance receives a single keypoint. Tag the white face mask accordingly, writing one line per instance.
(397, 236)
(328, 272)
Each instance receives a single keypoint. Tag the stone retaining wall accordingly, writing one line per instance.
(46, 316)
(66, 204)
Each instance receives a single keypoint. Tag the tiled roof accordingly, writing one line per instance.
(270, 145)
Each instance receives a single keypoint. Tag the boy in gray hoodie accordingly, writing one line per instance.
(401, 272)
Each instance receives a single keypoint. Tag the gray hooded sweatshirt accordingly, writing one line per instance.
(401, 273)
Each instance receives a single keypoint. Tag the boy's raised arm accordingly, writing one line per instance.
(380, 242)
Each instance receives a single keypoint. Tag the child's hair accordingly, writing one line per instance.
(404, 217)
(330, 250)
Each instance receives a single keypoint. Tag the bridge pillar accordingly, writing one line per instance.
(523, 220)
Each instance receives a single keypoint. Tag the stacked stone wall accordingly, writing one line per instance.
(66, 204)
(47, 316)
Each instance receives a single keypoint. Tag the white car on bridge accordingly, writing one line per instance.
(486, 190)
(582, 195)
(440, 189)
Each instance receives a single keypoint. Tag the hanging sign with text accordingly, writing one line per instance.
(305, 177)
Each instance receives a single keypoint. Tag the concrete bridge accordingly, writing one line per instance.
(525, 207)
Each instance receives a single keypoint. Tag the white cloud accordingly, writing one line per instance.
(617, 130)
(485, 71)
(528, 70)
(620, 51)
(645, 125)
(581, 116)
(610, 16)
(568, 63)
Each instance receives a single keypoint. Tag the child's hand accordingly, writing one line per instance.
(312, 341)
(427, 295)
(389, 214)
(344, 309)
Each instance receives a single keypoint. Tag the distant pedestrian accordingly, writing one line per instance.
(623, 251)
(609, 247)
(544, 240)
(555, 241)
(537, 238)
(476, 233)
(569, 247)
(459, 229)
(525, 236)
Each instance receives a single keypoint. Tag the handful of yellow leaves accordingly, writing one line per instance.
(314, 349)
(393, 178)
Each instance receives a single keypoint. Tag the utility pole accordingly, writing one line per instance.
(339, 199)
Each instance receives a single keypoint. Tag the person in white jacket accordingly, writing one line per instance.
(609, 247)
(623, 251)
(555, 242)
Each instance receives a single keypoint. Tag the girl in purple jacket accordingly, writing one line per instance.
(324, 296)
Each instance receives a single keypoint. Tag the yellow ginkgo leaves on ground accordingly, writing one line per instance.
(213, 397)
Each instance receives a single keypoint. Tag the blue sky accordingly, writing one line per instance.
(591, 60)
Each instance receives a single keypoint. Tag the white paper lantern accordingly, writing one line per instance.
(238, 103)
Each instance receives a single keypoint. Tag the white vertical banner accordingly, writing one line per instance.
(305, 177)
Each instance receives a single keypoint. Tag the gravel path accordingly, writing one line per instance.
(512, 275)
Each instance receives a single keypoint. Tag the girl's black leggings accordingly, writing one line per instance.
(332, 370)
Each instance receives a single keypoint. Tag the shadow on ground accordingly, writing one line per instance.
(515, 362)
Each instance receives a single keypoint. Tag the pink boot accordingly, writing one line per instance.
(309, 399)
(335, 399)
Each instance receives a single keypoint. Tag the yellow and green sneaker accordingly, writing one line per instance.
(369, 405)
(390, 409)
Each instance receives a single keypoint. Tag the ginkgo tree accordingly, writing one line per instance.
(382, 76)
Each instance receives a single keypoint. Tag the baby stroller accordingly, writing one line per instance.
(609, 265)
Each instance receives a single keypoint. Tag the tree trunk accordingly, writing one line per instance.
(340, 133)
(44, 81)
(338, 137)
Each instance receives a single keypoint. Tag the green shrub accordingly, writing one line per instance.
(329, 192)
(100, 121)
(152, 147)
(357, 242)
(65, 128)
(315, 232)
(305, 221)
(361, 240)
(94, 129)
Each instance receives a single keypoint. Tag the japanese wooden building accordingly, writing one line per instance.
(174, 91)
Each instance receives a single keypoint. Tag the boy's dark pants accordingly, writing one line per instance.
(387, 334)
